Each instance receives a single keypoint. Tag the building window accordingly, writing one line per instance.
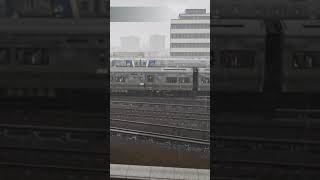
(237, 59)
(194, 17)
(190, 45)
(4, 56)
(191, 36)
(190, 26)
(190, 53)
(33, 56)
(172, 79)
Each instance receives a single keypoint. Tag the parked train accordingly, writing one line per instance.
(160, 80)
(53, 58)
(53, 8)
(256, 56)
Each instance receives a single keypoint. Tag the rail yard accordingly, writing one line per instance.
(160, 127)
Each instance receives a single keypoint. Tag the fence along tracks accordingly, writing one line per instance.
(70, 151)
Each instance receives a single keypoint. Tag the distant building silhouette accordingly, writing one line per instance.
(130, 43)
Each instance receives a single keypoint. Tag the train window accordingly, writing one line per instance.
(120, 79)
(150, 78)
(205, 80)
(306, 60)
(237, 59)
(172, 80)
(184, 80)
(140, 63)
(4, 56)
(33, 56)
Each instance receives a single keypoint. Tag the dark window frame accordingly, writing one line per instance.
(308, 60)
(237, 59)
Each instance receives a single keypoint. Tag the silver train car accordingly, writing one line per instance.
(182, 81)
(127, 80)
(239, 55)
(204, 80)
(301, 57)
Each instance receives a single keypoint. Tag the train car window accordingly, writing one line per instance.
(129, 63)
(172, 80)
(237, 59)
(33, 56)
(140, 63)
(184, 80)
(306, 60)
(120, 79)
(205, 80)
(150, 78)
(4, 56)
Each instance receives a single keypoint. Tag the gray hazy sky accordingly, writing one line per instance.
(146, 29)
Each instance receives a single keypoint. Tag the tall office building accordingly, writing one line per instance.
(157, 42)
(190, 34)
(130, 43)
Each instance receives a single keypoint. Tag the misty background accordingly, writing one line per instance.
(144, 30)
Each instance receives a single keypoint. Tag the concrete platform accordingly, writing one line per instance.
(121, 171)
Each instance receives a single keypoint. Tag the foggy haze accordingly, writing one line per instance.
(145, 29)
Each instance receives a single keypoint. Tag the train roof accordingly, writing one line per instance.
(301, 27)
(160, 59)
(204, 70)
(153, 69)
(238, 27)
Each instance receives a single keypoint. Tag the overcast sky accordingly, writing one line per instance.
(146, 29)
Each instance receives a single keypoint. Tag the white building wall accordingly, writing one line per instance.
(190, 51)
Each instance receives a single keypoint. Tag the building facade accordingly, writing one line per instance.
(190, 34)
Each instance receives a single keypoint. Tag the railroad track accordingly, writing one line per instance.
(173, 120)
(53, 117)
(245, 170)
(276, 150)
(169, 107)
(159, 112)
(68, 150)
(161, 128)
(199, 100)
(267, 126)
(38, 172)
(136, 134)
(285, 143)
(12, 134)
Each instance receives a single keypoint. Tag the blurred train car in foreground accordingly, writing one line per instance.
(53, 8)
(239, 55)
(301, 56)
